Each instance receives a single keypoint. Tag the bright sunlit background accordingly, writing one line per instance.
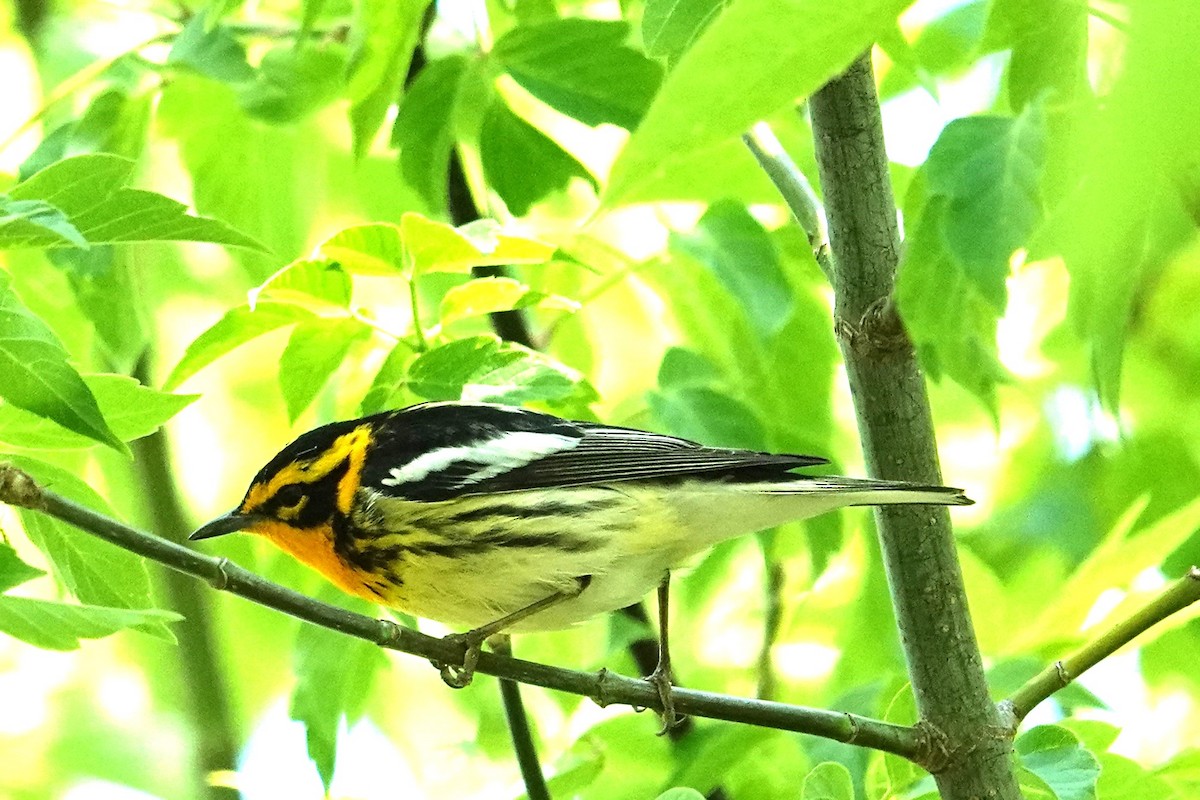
(1059, 480)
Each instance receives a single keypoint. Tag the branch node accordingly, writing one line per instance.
(600, 697)
(879, 332)
(1009, 716)
(221, 579)
(18, 489)
(1064, 676)
(936, 753)
(854, 729)
(389, 634)
(1194, 573)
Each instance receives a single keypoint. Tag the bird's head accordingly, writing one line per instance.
(307, 488)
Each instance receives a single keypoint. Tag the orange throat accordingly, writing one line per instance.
(314, 547)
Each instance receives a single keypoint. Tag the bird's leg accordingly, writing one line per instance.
(661, 677)
(458, 676)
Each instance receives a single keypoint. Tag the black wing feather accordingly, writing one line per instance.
(603, 454)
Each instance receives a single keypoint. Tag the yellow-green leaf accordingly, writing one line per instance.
(489, 295)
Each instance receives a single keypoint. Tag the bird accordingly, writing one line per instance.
(504, 519)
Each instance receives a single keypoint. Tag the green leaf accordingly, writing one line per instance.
(316, 284)
(437, 247)
(104, 280)
(424, 129)
(712, 756)
(96, 572)
(376, 249)
(709, 416)
(25, 220)
(388, 383)
(582, 68)
(682, 368)
(262, 178)
(115, 122)
(382, 37)
(313, 353)
(308, 18)
(1131, 154)
(294, 83)
(58, 626)
(14, 571)
(488, 295)
(38, 377)
(210, 50)
(669, 26)
(680, 793)
(238, 326)
(1054, 754)
(1115, 563)
(1124, 779)
(334, 674)
(521, 163)
(951, 323)
(756, 57)
(485, 369)
(89, 190)
(1049, 49)
(989, 169)
(131, 410)
(828, 781)
(730, 242)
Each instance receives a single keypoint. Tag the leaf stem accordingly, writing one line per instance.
(797, 192)
(415, 302)
(1176, 597)
(604, 687)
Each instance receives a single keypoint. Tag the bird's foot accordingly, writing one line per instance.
(660, 679)
(459, 676)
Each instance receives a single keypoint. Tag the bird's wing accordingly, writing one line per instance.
(511, 450)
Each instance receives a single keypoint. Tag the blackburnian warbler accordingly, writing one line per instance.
(505, 519)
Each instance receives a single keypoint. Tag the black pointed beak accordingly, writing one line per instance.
(229, 523)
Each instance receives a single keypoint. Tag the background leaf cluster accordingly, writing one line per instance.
(298, 212)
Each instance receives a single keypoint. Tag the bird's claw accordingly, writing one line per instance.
(660, 679)
(459, 676)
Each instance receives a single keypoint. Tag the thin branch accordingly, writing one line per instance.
(1176, 597)
(203, 676)
(797, 192)
(603, 687)
(518, 728)
(76, 82)
(772, 615)
(896, 425)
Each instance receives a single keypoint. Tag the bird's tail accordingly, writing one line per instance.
(715, 512)
(867, 491)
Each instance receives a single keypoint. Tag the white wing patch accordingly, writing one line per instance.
(498, 455)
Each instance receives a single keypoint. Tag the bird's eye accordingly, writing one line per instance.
(289, 496)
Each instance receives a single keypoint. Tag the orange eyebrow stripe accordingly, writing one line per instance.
(351, 447)
(355, 443)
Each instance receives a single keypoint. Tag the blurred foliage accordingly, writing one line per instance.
(254, 200)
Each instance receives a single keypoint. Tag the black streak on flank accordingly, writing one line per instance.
(539, 511)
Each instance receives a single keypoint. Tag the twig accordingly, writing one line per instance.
(772, 615)
(76, 82)
(518, 728)
(1176, 597)
(203, 676)
(604, 687)
(797, 192)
